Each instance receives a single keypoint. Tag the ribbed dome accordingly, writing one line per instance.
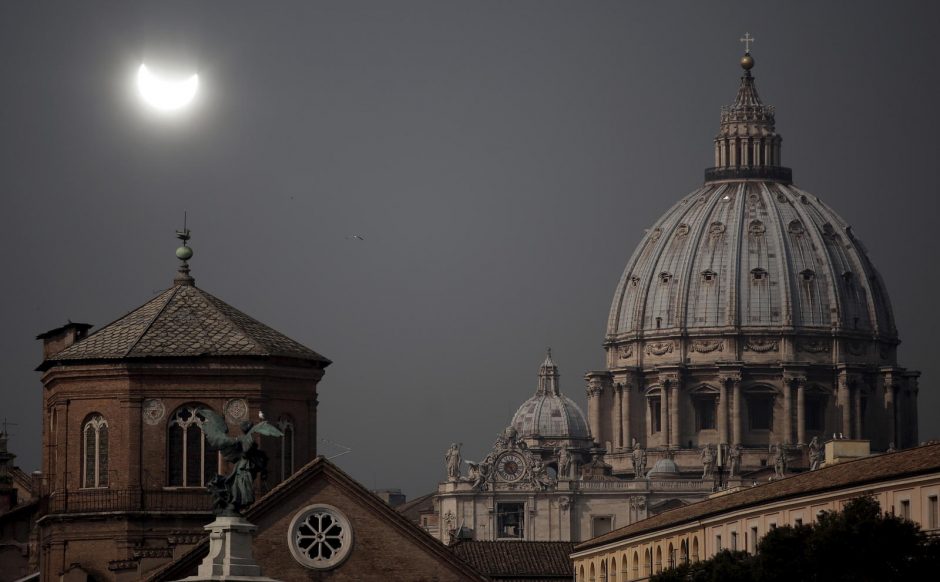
(549, 413)
(744, 255)
(664, 469)
(749, 251)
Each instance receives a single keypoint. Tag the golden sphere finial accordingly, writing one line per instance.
(747, 62)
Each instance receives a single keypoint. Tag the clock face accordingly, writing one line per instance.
(510, 467)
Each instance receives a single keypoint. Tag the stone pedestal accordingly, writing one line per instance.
(229, 553)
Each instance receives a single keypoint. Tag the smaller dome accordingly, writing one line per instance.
(664, 469)
(549, 413)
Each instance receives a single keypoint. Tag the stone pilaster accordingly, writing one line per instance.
(616, 420)
(626, 394)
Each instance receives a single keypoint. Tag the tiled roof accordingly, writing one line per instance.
(185, 321)
(274, 500)
(518, 560)
(867, 470)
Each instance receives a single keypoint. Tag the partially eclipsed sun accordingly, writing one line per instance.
(163, 94)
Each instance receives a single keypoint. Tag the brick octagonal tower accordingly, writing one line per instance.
(124, 458)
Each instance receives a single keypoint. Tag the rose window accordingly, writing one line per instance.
(320, 536)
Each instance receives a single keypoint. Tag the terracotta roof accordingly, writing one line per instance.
(184, 321)
(518, 560)
(273, 501)
(874, 469)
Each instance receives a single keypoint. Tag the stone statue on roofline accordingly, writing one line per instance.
(815, 454)
(564, 462)
(452, 459)
(734, 460)
(234, 492)
(708, 461)
(779, 455)
(638, 459)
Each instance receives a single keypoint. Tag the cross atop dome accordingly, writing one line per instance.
(747, 39)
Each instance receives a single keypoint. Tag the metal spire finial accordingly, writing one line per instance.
(747, 39)
(184, 253)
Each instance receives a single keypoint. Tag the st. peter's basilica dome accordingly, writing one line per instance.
(749, 314)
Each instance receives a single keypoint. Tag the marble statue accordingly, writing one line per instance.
(564, 463)
(779, 454)
(815, 454)
(734, 460)
(708, 461)
(639, 461)
(453, 462)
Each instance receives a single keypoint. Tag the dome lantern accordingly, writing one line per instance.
(747, 145)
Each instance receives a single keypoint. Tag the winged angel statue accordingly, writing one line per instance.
(233, 492)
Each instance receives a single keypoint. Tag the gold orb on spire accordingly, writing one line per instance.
(747, 62)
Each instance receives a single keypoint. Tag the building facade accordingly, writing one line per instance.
(905, 483)
(545, 480)
(751, 315)
(125, 461)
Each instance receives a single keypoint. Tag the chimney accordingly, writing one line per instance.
(56, 340)
(838, 450)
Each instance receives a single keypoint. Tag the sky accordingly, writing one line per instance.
(500, 159)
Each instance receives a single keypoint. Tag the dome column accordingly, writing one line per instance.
(735, 381)
(723, 412)
(595, 388)
(857, 411)
(616, 421)
(625, 414)
(800, 382)
(671, 383)
(844, 403)
(787, 412)
(889, 406)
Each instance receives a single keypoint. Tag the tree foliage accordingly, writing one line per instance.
(858, 544)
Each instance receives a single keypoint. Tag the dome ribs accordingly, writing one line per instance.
(712, 256)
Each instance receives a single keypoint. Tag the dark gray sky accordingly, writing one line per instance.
(502, 159)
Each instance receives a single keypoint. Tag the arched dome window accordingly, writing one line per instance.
(190, 460)
(286, 425)
(705, 403)
(95, 457)
(760, 408)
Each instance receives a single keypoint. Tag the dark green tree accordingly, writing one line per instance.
(858, 544)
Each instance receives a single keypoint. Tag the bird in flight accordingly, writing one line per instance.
(355, 236)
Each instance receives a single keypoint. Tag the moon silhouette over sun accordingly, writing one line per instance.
(165, 94)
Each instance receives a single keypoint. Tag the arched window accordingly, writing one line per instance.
(613, 570)
(592, 577)
(581, 574)
(286, 424)
(659, 559)
(648, 566)
(671, 556)
(603, 571)
(636, 565)
(190, 460)
(695, 549)
(95, 459)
